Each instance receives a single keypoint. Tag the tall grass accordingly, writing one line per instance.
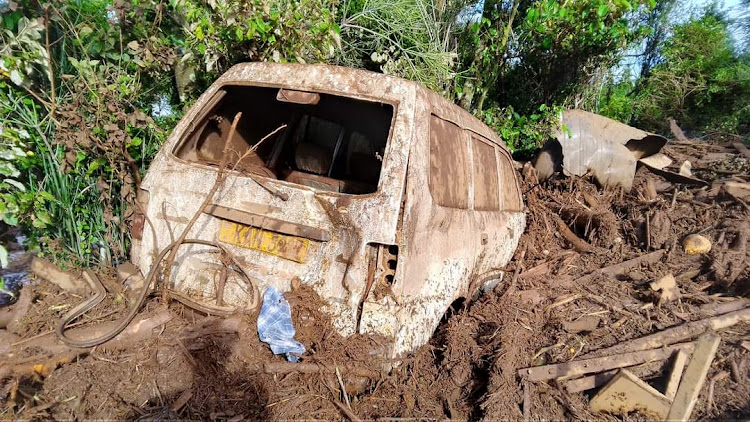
(75, 207)
(407, 38)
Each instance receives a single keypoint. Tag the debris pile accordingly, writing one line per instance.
(616, 302)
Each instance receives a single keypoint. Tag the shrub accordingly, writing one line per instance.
(702, 82)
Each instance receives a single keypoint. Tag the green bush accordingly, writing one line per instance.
(78, 84)
(523, 134)
(702, 82)
(411, 39)
(81, 82)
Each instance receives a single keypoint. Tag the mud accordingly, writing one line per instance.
(194, 370)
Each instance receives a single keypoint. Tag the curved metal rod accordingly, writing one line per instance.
(100, 293)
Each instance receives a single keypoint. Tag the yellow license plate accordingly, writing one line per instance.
(288, 247)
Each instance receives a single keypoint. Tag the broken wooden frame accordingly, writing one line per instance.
(607, 366)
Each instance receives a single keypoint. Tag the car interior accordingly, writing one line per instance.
(326, 142)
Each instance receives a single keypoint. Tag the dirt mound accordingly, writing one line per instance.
(559, 303)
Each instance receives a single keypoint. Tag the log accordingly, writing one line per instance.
(588, 366)
(675, 334)
(56, 353)
(621, 268)
(65, 280)
(578, 244)
(12, 316)
(714, 308)
(739, 146)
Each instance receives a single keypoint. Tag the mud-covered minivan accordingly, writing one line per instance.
(389, 201)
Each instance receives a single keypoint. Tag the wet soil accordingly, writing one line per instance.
(195, 369)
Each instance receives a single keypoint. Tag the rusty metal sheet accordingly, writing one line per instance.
(596, 145)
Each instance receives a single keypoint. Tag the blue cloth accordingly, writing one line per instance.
(275, 325)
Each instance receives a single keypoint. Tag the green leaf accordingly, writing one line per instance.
(46, 195)
(3, 259)
(18, 185)
(602, 10)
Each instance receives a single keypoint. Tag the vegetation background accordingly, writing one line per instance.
(89, 89)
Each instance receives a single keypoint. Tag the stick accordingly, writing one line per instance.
(315, 368)
(587, 366)
(622, 267)
(343, 388)
(209, 196)
(513, 280)
(348, 413)
(648, 231)
(678, 333)
(589, 382)
(718, 377)
(578, 244)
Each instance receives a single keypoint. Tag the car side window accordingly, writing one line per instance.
(509, 194)
(449, 164)
(486, 191)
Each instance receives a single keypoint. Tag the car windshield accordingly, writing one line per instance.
(330, 142)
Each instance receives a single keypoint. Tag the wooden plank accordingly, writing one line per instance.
(694, 377)
(267, 223)
(589, 382)
(622, 267)
(674, 378)
(678, 333)
(527, 386)
(588, 366)
(627, 393)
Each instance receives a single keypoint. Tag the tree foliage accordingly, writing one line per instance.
(90, 89)
(702, 81)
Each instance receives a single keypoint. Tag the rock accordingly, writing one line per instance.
(695, 244)
(587, 323)
(661, 229)
(667, 285)
(686, 169)
(649, 189)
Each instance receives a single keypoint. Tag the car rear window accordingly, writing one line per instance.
(330, 142)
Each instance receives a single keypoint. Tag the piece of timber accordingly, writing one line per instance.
(267, 223)
(694, 377)
(588, 366)
(627, 393)
(676, 375)
(675, 334)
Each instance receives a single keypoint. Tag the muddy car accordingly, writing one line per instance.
(391, 202)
